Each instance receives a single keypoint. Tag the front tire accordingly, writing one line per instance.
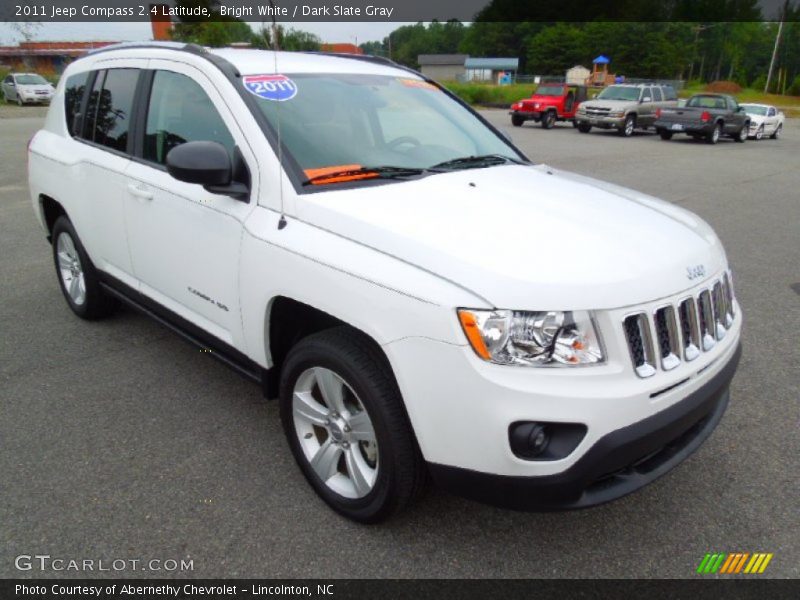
(584, 127)
(548, 120)
(760, 132)
(777, 133)
(628, 126)
(19, 100)
(664, 134)
(77, 276)
(346, 425)
(517, 121)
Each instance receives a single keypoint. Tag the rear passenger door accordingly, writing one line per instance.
(96, 180)
(185, 240)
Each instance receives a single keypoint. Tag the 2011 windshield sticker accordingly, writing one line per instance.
(278, 88)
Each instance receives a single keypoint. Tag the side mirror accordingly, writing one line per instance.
(12, 84)
(740, 109)
(207, 164)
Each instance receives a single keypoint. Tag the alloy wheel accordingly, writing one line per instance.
(335, 432)
(70, 269)
(760, 132)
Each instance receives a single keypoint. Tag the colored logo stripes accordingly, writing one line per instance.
(734, 562)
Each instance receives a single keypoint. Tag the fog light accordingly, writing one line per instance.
(544, 441)
(529, 440)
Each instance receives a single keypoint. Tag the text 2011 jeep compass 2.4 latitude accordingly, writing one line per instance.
(422, 299)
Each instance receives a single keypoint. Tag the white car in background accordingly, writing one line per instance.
(764, 120)
(27, 88)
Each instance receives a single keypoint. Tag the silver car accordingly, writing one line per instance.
(625, 107)
(27, 88)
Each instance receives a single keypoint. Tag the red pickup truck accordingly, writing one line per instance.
(550, 103)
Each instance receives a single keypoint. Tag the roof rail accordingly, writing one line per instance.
(371, 58)
(153, 44)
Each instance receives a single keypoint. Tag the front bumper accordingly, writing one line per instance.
(36, 99)
(526, 115)
(616, 465)
(602, 122)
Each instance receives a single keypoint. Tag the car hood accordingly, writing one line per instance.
(541, 99)
(756, 119)
(527, 237)
(34, 88)
(611, 104)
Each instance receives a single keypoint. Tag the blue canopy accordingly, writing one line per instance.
(601, 60)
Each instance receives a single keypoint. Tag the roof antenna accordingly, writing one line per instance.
(275, 49)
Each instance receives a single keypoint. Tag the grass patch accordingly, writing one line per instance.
(487, 94)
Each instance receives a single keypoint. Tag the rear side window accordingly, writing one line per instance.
(73, 95)
(669, 93)
(656, 94)
(110, 107)
(180, 111)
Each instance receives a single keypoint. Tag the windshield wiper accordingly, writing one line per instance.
(474, 162)
(384, 172)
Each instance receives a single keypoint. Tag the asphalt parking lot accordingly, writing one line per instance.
(121, 441)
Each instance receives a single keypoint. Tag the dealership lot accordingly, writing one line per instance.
(121, 441)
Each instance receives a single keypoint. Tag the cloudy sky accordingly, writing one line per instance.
(328, 32)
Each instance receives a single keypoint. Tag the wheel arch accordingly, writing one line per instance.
(50, 210)
(287, 321)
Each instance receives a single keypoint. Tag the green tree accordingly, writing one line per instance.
(555, 49)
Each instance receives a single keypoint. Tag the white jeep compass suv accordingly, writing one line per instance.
(422, 299)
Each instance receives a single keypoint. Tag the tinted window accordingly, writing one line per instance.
(771, 112)
(669, 93)
(111, 105)
(647, 93)
(180, 111)
(657, 94)
(73, 94)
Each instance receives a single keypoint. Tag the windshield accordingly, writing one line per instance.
(338, 122)
(755, 110)
(618, 92)
(549, 90)
(30, 80)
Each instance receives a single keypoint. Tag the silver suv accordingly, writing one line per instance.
(625, 107)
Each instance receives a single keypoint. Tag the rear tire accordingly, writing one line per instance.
(665, 135)
(548, 120)
(741, 135)
(366, 483)
(517, 121)
(713, 137)
(77, 276)
(777, 133)
(584, 128)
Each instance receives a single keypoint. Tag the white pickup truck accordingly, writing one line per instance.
(421, 297)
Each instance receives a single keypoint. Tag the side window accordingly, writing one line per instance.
(180, 111)
(771, 112)
(73, 95)
(669, 93)
(8, 79)
(110, 107)
(657, 94)
(732, 105)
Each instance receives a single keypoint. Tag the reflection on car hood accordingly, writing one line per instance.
(527, 237)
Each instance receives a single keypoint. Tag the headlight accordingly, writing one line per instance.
(581, 108)
(551, 338)
(619, 113)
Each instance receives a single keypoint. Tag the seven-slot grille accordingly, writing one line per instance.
(675, 333)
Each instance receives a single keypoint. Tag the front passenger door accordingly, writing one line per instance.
(185, 240)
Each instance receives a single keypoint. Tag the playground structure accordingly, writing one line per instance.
(600, 76)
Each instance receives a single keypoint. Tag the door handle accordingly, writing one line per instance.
(139, 192)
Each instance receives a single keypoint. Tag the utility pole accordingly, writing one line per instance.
(774, 52)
